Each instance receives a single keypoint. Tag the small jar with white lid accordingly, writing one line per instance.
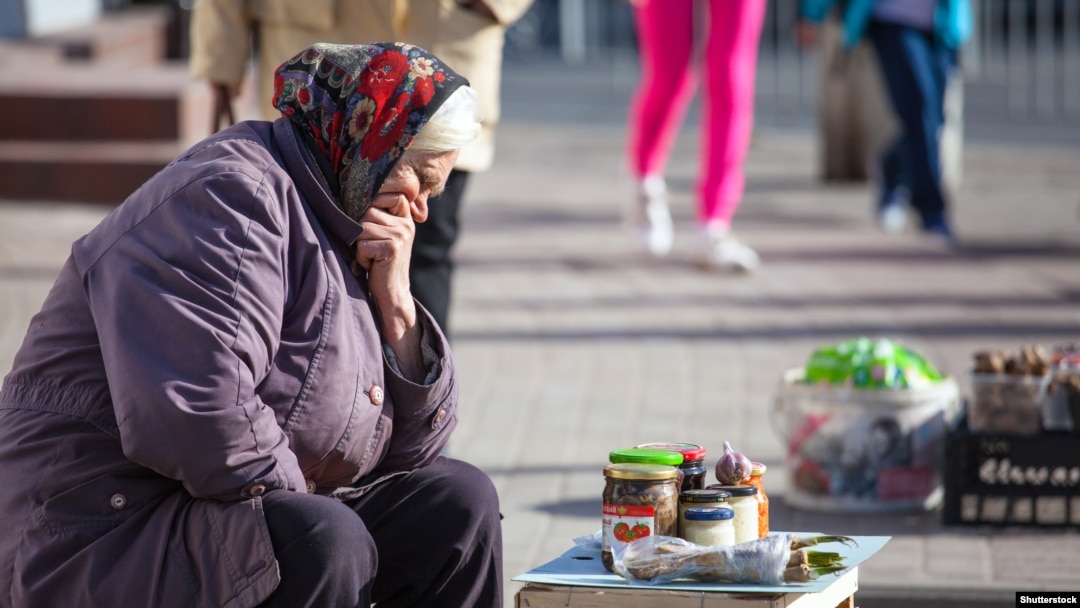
(744, 502)
(710, 526)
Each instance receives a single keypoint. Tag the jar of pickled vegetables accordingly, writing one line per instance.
(744, 502)
(709, 526)
(639, 500)
(700, 498)
(756, 474)
(693, 463)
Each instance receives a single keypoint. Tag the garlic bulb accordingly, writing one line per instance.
(733, 468)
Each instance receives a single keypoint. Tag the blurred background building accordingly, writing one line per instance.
(1020, 82)
(1024, 61)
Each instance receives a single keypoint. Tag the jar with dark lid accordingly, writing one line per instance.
(649, 456)
(709, 526)
(693, 463)
(743, 501)
(639, 500)
(700, 498)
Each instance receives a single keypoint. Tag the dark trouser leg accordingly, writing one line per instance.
(325, 554)
(893, 173)
(439, 536)
(915, 72)
(432, 266)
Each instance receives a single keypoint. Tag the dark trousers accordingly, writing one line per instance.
(432, 266)
(915, 70)
(429, 538)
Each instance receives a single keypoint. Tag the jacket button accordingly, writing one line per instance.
(118, 501)
(376, 395)
(310, 487)
(439, 417)
(257, 490)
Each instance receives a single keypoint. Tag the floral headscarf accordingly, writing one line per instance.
(362, 105)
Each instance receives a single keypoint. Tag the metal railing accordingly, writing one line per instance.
(1023, 59)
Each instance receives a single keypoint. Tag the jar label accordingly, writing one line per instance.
(625, 523)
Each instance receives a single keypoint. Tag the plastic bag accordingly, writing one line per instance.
(591, 542)
(656, 560)
(873, 364)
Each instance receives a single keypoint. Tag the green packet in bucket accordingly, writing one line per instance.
(870, 363)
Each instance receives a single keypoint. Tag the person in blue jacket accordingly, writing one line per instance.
(917, 44)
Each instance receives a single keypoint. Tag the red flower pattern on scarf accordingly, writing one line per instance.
(362, 102)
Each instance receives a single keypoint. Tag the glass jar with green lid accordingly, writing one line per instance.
(642, 455)
(639, 500)
(693, 462)
(649, 456)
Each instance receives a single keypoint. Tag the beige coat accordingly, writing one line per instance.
(468, 42)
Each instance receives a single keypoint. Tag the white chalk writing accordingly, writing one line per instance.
(1002, 471)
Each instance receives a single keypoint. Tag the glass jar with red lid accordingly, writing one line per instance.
(693, 463)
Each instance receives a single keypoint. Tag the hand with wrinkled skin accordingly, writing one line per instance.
(384, 249)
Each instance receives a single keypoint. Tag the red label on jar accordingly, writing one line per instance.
(623, 523)
(630, 510)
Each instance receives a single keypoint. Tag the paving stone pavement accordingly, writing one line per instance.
(570, 344)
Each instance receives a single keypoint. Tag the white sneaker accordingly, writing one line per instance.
(892, 207)
(649, 218)
(721, 251)
(892, 218)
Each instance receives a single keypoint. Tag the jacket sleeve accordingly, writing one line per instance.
(221, 40)
(188, 304)
(424, 415)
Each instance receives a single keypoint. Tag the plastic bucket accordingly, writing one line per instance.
(864, 450)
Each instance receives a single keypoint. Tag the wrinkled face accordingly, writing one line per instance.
(415, 179)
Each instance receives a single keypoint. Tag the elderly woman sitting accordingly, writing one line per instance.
(229, 398)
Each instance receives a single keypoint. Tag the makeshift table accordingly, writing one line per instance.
(578, 579)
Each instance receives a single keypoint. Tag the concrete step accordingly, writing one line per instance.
(132, 37)
(99, 102)
(93, 112)
(102, 172)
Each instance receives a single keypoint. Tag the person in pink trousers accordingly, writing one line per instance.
(666, 31)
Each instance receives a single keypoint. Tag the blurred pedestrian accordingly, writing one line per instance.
(230, 398)
(467, 34)
(223, 33)
(669, 37)
(917, 43)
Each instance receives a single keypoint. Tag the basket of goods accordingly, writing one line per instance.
(864, 424)
(1061, 408)
(1008, 391)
